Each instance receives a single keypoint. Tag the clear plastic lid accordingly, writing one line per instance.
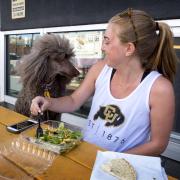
(25, 156)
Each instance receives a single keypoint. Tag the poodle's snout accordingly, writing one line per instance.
(75, 72)
(67, 69)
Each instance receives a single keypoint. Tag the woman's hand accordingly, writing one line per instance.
(39, 104)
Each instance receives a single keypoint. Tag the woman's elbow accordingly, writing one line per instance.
(160, 147)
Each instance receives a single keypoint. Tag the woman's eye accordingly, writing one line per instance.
(106, 42)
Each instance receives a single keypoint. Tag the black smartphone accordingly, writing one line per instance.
(21, 126)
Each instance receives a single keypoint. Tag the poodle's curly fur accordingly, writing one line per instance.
(48, 65)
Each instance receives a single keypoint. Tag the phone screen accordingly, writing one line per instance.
(23, 125)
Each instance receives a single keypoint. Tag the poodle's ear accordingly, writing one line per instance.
(41, 69)
(33, 70)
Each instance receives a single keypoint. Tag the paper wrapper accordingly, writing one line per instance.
(146, 167)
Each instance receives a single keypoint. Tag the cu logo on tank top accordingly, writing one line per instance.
(110, 113)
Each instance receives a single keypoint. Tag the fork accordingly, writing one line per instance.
(39, 130)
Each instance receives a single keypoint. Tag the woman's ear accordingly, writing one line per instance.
(130, 49)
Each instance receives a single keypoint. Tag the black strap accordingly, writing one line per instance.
(143, 76)
(112, 73)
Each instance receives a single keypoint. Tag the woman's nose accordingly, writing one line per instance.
(102, 47)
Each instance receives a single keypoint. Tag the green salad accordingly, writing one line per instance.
(60, 135)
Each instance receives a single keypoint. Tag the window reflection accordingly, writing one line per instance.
(17, 46)
(176, 127)
(87, 48)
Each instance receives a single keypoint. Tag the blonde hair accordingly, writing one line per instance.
(153, 41)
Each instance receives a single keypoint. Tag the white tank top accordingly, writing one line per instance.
(119, 124)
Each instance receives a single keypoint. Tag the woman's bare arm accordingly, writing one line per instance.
(75, 100)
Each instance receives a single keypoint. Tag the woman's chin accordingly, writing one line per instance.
(110, 64)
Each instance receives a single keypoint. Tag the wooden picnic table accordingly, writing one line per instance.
(76, 164)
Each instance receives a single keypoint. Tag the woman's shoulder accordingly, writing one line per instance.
(100, 64)
(162, 87)
(97, 68)
(162, 83)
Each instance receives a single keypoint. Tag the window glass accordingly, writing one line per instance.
(176, 127)
(17, 46)
(87, 48)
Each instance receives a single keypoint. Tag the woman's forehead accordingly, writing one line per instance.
(112, 30)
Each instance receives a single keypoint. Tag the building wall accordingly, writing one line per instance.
(46, 13)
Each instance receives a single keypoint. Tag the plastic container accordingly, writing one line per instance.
(53, 126)
(25, 156)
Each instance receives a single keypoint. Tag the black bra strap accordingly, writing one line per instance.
(112, 73)
(143, 76)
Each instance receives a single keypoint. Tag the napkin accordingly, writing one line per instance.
(146, 167)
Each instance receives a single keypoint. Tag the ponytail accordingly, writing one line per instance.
(164, 58)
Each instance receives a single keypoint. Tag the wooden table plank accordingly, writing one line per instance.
(10, 171)
(8, 117)
(66, 169)
(85, 154)
(5, 135)
(172, 178)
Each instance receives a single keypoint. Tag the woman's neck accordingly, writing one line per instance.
(130, 72)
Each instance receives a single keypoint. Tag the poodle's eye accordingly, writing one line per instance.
(60, 60)
(66, 56)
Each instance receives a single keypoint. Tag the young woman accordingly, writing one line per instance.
(133, 104)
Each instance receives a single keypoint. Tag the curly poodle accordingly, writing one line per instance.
(45, 71)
